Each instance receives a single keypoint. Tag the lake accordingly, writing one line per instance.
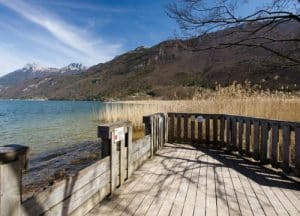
(46, 125)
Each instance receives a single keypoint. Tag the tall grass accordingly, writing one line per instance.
(234, 99)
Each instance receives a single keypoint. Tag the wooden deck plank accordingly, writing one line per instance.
(251, 196)
(295, 200)
(109, 204)
(161, 195)
(177, 206)
(152, 195)
(132, 201)
(183, 180)
(233, 206)
(222, 204)
(182, 193)
(240, 193)
(274, 201)
(262, 198)
(266, 189)
(171, 194)
(173, 188)
(286, 203)
(145, 185)
(211, 202)
(200, 202)
(189, 204)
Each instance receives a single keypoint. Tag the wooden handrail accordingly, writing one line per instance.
(268, 141)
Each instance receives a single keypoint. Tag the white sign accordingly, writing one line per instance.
(119, 134)
(200, 119)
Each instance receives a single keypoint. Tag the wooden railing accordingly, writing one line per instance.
(267, 141)
(78, 194)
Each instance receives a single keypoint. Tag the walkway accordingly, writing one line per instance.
(183, 180)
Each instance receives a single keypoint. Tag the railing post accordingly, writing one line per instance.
(185, 128)
(297, 149)
(256, 140)
(171, 127)
(178, 128)
(114, 143)
(228, 133)
(248, 136)
(241, 135)
(264, 142)
(193, 130)
(222, 131)
(200, 129)
(129, 151)
(215, 130)
(166, 128)
(207, 130)
(149, 129)
(275, 139)
(286, 133)
(13, 158)
(233, 133)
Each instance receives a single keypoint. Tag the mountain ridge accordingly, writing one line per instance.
(169, 70)
(34, 70)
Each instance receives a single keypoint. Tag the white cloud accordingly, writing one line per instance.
(90, 49)
(9, 61)
(12, 59)
(85, 5)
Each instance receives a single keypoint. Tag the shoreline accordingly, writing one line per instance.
(49, 167)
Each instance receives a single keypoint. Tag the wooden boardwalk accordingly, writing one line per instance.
(183, 180)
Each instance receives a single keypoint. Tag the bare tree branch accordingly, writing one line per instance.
(207, 16)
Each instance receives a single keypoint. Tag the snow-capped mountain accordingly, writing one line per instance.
(34, 70)
(34, 67)
(73, 67)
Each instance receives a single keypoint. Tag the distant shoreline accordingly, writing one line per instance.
(42, 99)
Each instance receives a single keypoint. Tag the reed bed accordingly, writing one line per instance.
(235, 99)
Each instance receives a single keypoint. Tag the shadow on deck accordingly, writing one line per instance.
(185, 180)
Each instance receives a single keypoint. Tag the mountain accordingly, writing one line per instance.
(32, 71)
(172, 70)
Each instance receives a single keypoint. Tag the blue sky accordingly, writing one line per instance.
(58, 32)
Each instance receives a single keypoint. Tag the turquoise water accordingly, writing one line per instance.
(46, 125)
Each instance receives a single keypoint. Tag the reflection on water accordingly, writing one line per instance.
(45, 125)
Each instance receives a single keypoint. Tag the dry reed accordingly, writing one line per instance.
(235, 99)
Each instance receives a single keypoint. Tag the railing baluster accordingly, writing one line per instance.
(241, 132)
(264, 142)
(215, 130)
(172, 128)
(192, 129)
(222, 130)
(207, 130)
(256, 137)
(286, 147)
(248, 136)
(178, 128)
(297, 149)
(200, 132)
(233, 133)
(158, 131)
(228, 132)
(185, 128)
(152, 135)
(275, 136)
(256, 140)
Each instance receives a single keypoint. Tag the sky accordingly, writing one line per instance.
(58, 32)
(55, 33)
